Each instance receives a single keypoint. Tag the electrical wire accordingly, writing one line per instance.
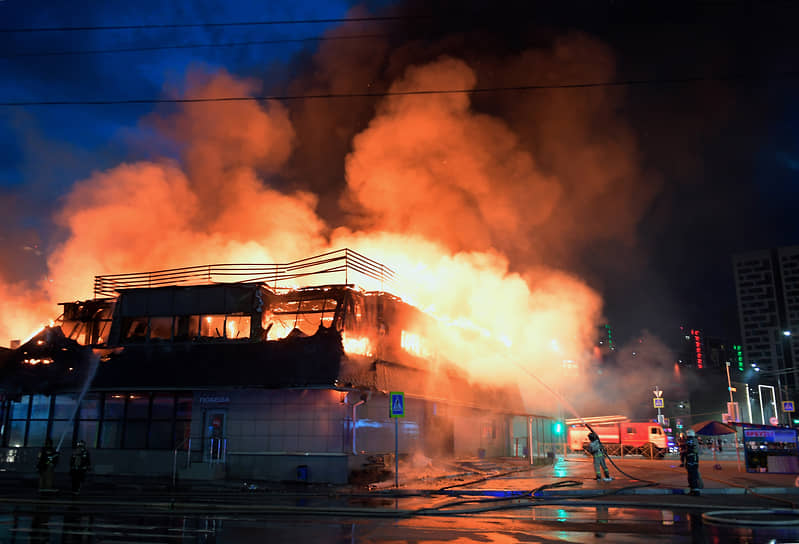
(478, 90)
(29, 30)
(189, 46)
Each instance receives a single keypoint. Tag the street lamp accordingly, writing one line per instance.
(737, 416)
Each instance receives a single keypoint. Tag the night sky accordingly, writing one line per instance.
(708, 113)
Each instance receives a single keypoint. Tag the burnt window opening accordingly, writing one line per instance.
(305, 315)
(238, 327)
(161, 328)
(89, 322)
(134, 329)
(212, 326)
(187, 328)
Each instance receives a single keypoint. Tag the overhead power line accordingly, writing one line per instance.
(212, 25)
(189, 46)
(479, 90)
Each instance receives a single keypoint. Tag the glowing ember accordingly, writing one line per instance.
(33, 362)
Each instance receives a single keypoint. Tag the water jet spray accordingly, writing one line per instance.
(94, 362)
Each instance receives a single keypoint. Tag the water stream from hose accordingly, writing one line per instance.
(94, 362)
(573, 411)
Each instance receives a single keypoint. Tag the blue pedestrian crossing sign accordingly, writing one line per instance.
(787, 406)
(658, 403)
(396, 404)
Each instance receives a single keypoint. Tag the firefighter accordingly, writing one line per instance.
(682, 444)
(45, 464)
(597, 450)
(79, 464)
(692, 463)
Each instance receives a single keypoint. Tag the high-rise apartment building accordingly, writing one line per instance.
(767, 287)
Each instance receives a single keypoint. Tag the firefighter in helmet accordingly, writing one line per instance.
(45, 464)
(597, 451)
(79, 464)
(692, 462)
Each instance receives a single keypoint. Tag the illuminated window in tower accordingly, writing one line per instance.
(739, 356)
(698, 344)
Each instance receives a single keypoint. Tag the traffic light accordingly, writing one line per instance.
(557, 427)
(796, 421)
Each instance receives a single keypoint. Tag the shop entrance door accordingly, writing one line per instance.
(215, 443)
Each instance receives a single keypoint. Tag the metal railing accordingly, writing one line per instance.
(217, 450)
(186, 442)
(334, 266)
(216, 454)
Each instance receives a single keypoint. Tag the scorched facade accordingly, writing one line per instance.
(189, 376)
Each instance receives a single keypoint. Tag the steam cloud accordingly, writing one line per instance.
(471, 208)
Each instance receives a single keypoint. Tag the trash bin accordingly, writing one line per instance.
(302, 473)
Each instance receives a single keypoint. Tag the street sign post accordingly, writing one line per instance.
(396, 410)
(397, 404)
(658, 402)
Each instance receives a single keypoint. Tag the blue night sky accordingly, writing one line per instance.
(720, 155)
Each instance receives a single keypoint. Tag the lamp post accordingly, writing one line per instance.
(737, 413)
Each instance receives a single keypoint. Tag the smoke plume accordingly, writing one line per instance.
(475, 208)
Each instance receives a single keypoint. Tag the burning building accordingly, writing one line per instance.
(271, 372)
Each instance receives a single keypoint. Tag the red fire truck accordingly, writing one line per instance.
(620, 436)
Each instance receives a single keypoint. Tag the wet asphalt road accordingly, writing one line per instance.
(566, 523)
(127, 513)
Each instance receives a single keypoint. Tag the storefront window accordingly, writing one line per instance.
(16, 435)
(64, 406)
(90, 407)
(161, 435)
(37, 433)
(87, 431)
(41, 407)
(184, 407)
(136, 435)
(19, 410)
(163, 405)
(129, 420)
(138, 406)
(114, 406)
(62, 430)
(111, 434)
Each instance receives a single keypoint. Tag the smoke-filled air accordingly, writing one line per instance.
(480, 211)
